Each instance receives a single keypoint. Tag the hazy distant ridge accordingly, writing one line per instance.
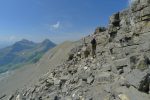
(23, 52)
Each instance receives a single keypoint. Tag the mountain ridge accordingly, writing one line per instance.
(21, 52)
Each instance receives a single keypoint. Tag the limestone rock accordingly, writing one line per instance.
(57, 82)
(90, 79)
(123, 97)
(139, 79)
(106, 67)
(131, 94)
(104, 77)
(100, 29)
(119, 64)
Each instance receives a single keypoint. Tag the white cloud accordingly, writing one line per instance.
(55, 26)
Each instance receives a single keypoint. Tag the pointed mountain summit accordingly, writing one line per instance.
(22, 45)
(25, 42)
(46, 44)
(46, 41)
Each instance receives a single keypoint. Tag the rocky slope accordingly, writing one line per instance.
(121, 70)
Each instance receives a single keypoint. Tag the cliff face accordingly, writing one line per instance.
(121, 70)
(132, 21)
(130, 31)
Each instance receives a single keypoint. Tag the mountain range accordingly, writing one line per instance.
(23, 52)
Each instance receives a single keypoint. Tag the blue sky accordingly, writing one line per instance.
(58, 20)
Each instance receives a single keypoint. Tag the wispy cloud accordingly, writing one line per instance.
(55, 26)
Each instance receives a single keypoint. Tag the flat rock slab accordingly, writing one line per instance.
(131, 94)
(104, 77)
(138, 78)
(119, 64)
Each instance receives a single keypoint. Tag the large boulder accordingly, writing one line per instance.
(131, 94)
(99, 29)
(145, 13)
(115, 19)
(85, 51)
(119, 64)
(104, 77)
(139, 80)
(141, 62)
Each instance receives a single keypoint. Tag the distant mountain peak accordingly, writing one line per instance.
(25, 41)
(46, 40)
(22, 45)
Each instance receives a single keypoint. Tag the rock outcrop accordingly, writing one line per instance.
(121, 70)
